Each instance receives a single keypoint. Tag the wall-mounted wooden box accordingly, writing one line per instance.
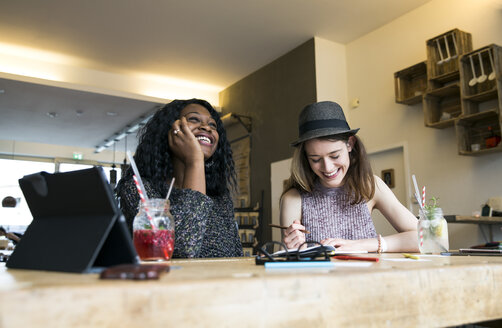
(474, 129)
(481, 77)
(410, 84)
(442, 106)
(443, 52)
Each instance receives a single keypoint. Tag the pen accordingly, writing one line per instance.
(284, 227)
(411, 256)
(359, 258)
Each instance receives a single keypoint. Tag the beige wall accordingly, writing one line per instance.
(462, 183)
(331, 71)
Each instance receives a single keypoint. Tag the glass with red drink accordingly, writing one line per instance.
(153, 231)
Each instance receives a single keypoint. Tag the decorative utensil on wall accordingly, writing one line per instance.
(491, 77)
(442, 60)
(447, 48)
(482, 77)
(474, 80)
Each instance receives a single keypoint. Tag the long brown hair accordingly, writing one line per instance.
(359, 180)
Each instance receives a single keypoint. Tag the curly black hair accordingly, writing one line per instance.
(154, 158)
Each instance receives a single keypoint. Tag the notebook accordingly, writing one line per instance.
(77, 225)
(313, 250)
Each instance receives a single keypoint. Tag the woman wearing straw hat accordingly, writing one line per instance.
(186, 140)
(332, 190)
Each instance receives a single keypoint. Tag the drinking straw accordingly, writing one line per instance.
(423, 197)
(170, 189)
(143, 200)
(136, 172)
(141, 188)
(417, 197)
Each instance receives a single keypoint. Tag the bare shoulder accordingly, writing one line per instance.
(382, 195)
(381, 187)
(291, 194)
(290, 207)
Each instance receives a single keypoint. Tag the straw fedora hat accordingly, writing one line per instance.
(321, 119)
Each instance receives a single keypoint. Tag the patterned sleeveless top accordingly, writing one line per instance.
(327, 213)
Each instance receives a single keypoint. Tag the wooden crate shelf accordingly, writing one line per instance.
(474, 129)
(483, 96)
(476, 70)
(443, 53)
(463, 89)
(442, 106)
(410, 84)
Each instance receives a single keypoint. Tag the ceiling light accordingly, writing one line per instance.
(52, 114)
(129, 128)
(120, 136)
(109, 143)
(79, 113)
(111, 113)
(2, 91)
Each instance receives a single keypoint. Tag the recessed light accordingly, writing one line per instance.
(111, 113)
(79, 113)
(52, 114)
(2, 91)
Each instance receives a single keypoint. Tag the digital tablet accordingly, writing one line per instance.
(77, 225)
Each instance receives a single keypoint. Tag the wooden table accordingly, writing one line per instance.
(433, 291)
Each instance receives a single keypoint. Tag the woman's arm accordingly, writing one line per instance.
(399, 217)
(291, 216)
(191, 214)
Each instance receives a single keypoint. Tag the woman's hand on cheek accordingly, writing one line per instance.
(183, 143)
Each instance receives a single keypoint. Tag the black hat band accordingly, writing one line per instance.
(322, 124)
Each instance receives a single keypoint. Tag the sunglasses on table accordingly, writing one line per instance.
(315, 251)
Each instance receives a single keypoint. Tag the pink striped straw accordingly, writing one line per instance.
(423, 196)
(143, 201)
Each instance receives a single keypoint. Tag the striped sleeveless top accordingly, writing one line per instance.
(327, 213)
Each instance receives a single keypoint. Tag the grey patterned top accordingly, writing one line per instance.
(327, 213)
(204, 226)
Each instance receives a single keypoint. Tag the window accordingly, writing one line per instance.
(11, 170)
(17, 218)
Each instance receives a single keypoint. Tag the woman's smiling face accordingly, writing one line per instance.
(329, 160)
(203, 126)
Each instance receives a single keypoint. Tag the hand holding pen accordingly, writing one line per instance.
(294, 235)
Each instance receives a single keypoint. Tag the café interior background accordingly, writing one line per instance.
(313, 69)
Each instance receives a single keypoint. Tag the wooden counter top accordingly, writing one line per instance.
(434, 291)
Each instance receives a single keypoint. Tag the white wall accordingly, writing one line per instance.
(462, 183)
(331, 71)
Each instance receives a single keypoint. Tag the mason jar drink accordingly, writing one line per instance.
(154, 243)
(432, 231)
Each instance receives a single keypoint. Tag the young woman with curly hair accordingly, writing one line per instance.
(332, 190)
(186, 140)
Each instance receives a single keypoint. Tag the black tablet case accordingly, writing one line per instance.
(77, 225)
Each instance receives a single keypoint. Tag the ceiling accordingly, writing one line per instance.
(215, 42)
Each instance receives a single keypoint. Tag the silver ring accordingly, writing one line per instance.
(176, 131)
